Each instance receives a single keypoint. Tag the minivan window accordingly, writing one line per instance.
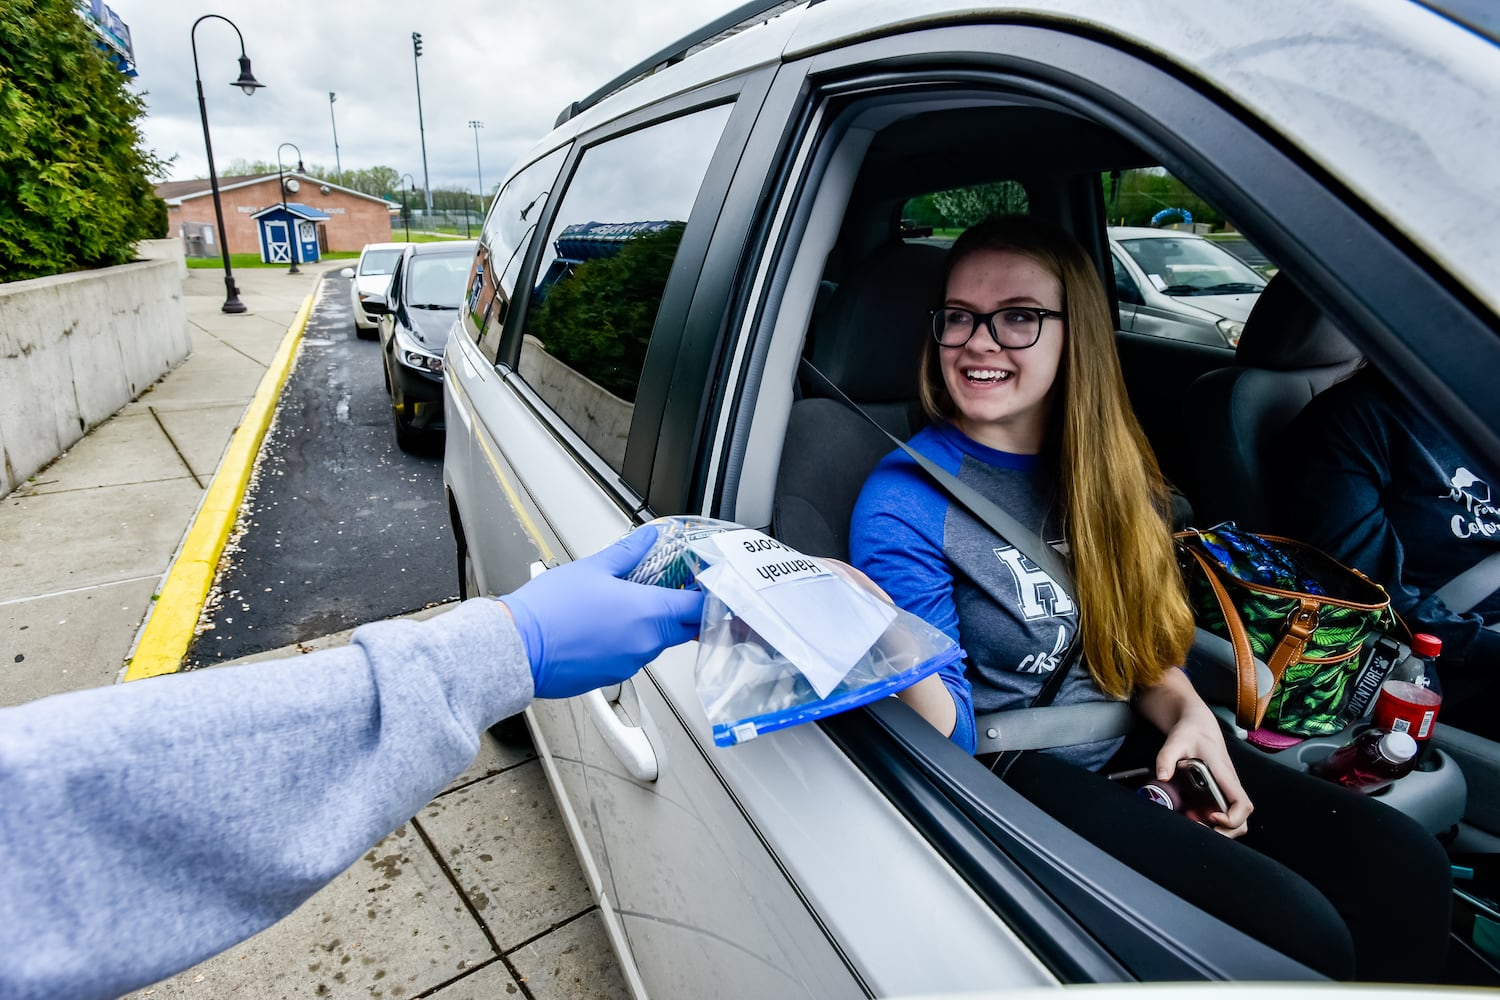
(603, 270)
(502, 248)
(939, 216)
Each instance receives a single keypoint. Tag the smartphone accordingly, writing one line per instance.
(1190, 791)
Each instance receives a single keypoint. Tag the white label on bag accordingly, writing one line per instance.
(764, 561)
(815, 618)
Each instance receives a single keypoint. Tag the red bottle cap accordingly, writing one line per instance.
(1426, 645)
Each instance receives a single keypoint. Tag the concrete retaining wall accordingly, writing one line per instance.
(74, 348)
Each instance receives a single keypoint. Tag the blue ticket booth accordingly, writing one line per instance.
(287, 231)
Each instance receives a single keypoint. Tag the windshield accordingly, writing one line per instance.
(1192, 267)
(380, 261)
(437, 282)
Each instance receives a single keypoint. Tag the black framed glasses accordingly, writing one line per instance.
(1014, 328)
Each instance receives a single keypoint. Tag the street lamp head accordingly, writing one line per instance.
(247, 81)
(300, 168)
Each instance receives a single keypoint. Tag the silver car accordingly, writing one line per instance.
(1181, 285)
(656, 271)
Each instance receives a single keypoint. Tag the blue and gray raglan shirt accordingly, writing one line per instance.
(937, 561)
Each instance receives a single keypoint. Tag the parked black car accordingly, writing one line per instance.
(426, 290)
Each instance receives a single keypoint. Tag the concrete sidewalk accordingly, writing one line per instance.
(481, 895)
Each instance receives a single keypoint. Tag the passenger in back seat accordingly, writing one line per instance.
(1380, 487)
(1028, 406)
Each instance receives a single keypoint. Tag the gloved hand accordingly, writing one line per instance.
(584, 627)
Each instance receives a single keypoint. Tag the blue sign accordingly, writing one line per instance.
(112, 34)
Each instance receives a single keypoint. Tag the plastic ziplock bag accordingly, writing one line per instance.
(786, 638)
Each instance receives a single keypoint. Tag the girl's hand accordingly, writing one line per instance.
(1191, 730)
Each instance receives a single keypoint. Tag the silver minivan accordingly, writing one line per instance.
(654, 276)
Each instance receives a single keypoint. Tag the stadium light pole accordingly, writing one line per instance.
(416, 54)
(478, 168)
(291, 230)
(249, 84)
(338, 167)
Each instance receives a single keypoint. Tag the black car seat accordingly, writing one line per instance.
(1289, 352)
(868, 344)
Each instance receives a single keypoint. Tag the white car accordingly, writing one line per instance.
(655, 272)
(1181, 285)
(371, 276)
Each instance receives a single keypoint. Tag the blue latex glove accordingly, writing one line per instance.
(585, 628)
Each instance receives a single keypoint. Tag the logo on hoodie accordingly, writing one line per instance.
(1480, 517)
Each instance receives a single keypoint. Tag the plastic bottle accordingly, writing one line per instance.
(1370, 761)
(1410, 697)
(1420, 665)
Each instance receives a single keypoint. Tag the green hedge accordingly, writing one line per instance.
(74, 181)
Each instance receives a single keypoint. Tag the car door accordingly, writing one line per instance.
(572, 432)
(947, 71)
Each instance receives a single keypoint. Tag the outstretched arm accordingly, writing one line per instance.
(205, 806)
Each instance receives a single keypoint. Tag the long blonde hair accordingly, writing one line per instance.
(1132, 606)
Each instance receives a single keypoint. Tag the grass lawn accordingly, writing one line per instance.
(398, 235)
(253, 259)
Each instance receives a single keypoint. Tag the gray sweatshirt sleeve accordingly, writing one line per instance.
(147, 826)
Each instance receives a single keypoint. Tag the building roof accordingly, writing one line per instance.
(298, 209)
(176, 192)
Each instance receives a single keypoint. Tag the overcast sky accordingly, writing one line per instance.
(512, 65)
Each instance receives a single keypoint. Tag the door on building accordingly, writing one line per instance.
(278, 243)
(307, 241)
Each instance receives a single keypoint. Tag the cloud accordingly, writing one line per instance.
(511, 66)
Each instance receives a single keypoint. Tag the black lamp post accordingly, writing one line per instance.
(405, 214)
(292, 240)
(249, 85)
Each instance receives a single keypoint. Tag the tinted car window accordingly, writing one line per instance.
(604, 268)
(507, 233)
(436, 280)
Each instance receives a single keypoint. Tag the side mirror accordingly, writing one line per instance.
(375, 305)
(347, 272)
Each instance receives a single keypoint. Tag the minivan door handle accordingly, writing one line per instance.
(627, 742)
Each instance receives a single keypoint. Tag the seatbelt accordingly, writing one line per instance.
(1471, 586)
(991, 514)
(1039, 725)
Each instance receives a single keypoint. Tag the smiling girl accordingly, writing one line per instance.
(1022, 384)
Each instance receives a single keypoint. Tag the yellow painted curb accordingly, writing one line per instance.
(169, 628)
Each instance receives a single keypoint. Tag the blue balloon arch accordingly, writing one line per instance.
(1187, 217)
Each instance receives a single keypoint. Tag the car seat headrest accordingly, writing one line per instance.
(1287, 332)
(871, 344)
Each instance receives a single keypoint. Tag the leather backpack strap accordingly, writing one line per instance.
(1249, 707)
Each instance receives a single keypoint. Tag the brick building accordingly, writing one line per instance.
(354, 218)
